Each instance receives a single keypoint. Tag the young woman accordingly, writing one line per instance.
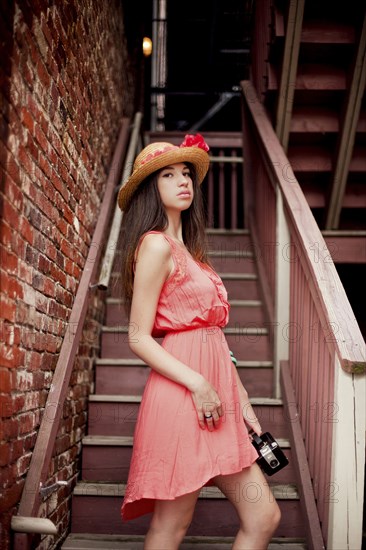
(190, 430)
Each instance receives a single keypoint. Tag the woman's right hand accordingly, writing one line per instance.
(208, 405)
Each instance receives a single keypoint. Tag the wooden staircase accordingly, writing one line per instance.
(120, 378)
(325, 121)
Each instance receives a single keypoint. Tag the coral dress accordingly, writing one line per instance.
(172, 455)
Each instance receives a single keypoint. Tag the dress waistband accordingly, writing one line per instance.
(209, 329)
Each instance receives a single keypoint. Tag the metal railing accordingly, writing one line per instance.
(35, 487)
(315, 327)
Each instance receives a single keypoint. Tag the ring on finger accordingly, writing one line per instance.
(208, 416)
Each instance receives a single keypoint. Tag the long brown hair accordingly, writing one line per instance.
(145, 213)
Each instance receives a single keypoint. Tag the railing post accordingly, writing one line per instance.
(282, 293)
(345, 493)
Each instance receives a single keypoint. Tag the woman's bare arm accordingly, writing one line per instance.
(153, 266)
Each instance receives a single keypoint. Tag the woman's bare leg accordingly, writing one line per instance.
(254, 502)
(170, 522)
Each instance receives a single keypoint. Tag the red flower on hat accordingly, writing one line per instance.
(195, 141)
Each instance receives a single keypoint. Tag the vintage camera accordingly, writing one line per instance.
(271, 458)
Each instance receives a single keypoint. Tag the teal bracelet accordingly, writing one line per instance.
(233, 358)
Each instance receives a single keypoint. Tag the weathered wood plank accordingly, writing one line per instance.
(327, 32)
(348, 460)
(320, 120)
(81, 541)
(289, 69)
(312, 77)
(312, 525)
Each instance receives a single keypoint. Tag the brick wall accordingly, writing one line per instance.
(65, 85)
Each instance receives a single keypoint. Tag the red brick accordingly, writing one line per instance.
(26, 230)
(16, 449)
(11, 496)
(33, 107)
(43, 74)
(25, 161)
(11, 356)
(8, 477)
(8, 260)
(9, 428)
(4, 453)
(18, 245)
(44, 265)
(33, 150)
(10, 214)
(59, 185)
(49, 287)
(64, 296)
(27, 119)
(30, 439)
(10, 285)
(56, 142)
(5, 233)
(34, 360)
(41, 138)
(8, 309)
(25, 272)
(5, 380)
(44, 165)
(12, 192)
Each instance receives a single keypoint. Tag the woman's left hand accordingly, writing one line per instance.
(207, 403)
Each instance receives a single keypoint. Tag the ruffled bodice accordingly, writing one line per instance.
(200, 298)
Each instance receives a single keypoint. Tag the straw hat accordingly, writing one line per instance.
(157, 155)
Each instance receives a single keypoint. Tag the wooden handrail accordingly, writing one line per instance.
(110, 251)
(38, 469)
(330, 297)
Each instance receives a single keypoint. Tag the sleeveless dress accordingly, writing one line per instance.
(172, 455)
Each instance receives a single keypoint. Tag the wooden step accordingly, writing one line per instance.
(116, 415)
(129, 376)
(316, 31)
(81, 541)
(314, 120)
(246, 312)
(346, 246)
(319, 159)
(96, 509)
(223, 240)
(232, 261)
(247, 343)
(240, 286)
(317, 195)
(327, 32)
(242, 312)
(320, 120)
(107, 459)
(312, 76)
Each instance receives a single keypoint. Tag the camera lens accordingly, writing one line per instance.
(274, 463)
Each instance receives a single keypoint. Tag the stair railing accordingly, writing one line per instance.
(27, 521)
(314, 327)
(110, 251)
